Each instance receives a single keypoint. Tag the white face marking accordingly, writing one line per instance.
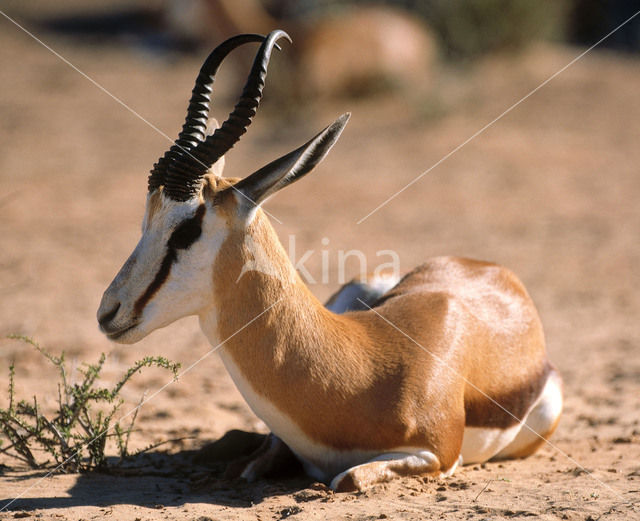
(187, 287)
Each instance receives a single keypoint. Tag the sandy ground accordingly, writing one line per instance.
(551, 191)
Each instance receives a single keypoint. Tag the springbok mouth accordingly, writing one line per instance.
(115, 335)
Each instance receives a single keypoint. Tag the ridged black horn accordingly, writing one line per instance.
(184, 174)
(194, 127)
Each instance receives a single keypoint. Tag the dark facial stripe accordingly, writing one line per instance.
(184, 235)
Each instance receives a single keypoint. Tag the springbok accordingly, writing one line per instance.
(447, 366)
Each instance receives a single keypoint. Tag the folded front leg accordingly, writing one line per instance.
(387, 467)
(271, 457)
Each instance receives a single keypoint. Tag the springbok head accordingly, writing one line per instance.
(190, 207)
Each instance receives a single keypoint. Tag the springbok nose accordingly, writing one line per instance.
(108, 316)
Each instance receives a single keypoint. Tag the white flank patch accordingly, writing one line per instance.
(541, 419)
(481, 444)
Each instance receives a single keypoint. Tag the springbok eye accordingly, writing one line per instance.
(185, 234)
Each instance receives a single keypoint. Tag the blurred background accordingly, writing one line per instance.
(550, 190)
(342, 47)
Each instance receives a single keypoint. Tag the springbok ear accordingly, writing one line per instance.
(260, 185)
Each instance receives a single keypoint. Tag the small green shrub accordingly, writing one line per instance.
(76, 437)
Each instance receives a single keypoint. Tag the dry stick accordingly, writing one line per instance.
(133, 419)
(483, 489)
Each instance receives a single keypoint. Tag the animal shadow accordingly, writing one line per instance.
(161, 479)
